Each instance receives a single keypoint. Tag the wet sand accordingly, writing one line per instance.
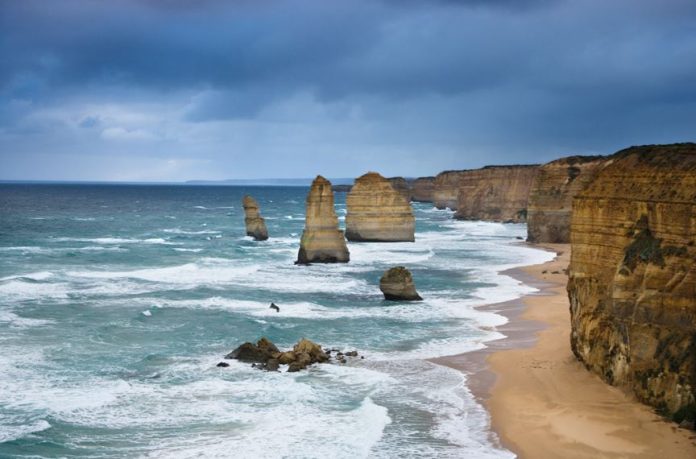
(543, 402)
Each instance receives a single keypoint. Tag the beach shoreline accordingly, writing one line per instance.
(542, 402)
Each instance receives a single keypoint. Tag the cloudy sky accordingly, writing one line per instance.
(181, 89)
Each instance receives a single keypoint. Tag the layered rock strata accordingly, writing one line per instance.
(552, 193)
(445, 191)
(322, 241)
(397, 285)
(632, 285)
(377, 212)
(422, 189)
(402, 186)
(495, 193)
(255, 224)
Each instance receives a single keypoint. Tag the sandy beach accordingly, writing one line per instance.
(543, 402)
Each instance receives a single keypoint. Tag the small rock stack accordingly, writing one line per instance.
(397, 285)
(255, 224)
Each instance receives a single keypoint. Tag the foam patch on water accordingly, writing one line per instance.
(114, 240)
(15, 432)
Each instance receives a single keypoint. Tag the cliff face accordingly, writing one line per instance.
(377, 212)
(422, 189)
(495, 193)
(445, 192)
(402, 186)
(552, 193)
(255, 224)
(322, 241)
(632, 284)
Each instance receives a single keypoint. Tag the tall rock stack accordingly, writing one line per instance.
(445, 192)
(255, 224)
(322, 241)
(377, 212)
(551, 196)
(632, 285)
(422, 189)
(495, 193)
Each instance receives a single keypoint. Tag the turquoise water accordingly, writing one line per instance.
(116, 303)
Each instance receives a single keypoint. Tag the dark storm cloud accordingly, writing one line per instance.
(497, 80)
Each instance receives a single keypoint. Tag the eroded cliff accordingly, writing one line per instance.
(402, 186)
(377, 212)
(552, 193)
(422, 189)
(445, 191)
(632, 284)
(495, 193)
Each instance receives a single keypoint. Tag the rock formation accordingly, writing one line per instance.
(322, 241)
(632, 285)
(422, 189)
(402, 186)
(397, 284)
(341, 188)
(495, 193)
(255, 224)
(266, 356)
(377, 212)
(445, 192)
(552, 193)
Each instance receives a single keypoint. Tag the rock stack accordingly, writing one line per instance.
(422, 189)
(402, 186)
(255, 225)
(377, 212)
(322, 241)
(397, 285)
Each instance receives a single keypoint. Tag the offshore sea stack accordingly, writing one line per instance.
(255, 224)
(402, 186)
(422, 189)
(397, 285)
(377, 212)
(322, 241)
(495, 193)
(632, 285)
(551, 196)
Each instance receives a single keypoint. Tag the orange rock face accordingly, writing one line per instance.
(495, 193)
(255, 224)
(322, 241)
(445, 191)
(402, 186)
(552, 193)
(632, 284)
(422, 189)
(377, 212)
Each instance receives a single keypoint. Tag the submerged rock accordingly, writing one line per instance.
(377, 212)
(397, 284)
(322, 241)
(255, 224)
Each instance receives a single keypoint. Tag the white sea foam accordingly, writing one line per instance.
(112, 240)
(180, 249)
(180, 231)
(37, 276)
(15, 432)
(20, 290)
(14, 320)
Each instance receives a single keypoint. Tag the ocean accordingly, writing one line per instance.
(118, 301)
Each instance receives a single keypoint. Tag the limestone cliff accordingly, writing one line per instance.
(322, 241)
(632, 284)
(552, 193)
(402, 186)
(495, 193)
(422, 189)
(377, 212)
(445, 192)
(255, 224)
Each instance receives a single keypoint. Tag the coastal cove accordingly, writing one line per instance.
(119, 301)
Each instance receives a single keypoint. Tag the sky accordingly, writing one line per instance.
(172, 90)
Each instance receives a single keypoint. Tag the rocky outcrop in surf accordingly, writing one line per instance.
(322, 241)
(266, 356)
(495, 193)
(377, 212)
(632, 284)
(422, 189)
(397, 285)
(255, 224)
(552, 193)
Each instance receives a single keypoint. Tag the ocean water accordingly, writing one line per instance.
(117, 302)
